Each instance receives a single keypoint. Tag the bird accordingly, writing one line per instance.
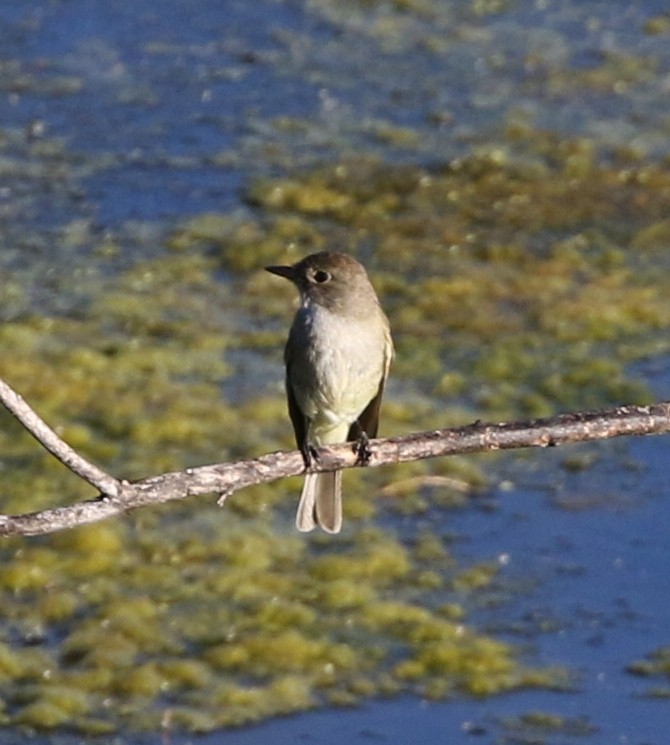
(338, 354)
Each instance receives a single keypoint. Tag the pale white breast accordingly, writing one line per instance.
(338, 364)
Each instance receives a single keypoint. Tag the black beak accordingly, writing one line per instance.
(287, 272)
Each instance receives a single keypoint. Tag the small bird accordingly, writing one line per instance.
(337, 357)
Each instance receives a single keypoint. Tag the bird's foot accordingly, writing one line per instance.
(310, 455)
(362, 449)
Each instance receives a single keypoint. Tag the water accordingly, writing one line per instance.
(598, 579)
(169, 108)
(155, 90)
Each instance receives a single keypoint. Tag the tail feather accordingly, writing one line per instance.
(321, 502)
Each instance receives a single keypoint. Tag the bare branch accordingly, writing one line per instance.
(226, 478)
(41, 431)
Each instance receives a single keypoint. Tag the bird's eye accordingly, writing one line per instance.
(321, 276)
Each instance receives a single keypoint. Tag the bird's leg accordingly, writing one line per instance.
(310, 455)
(361, 445)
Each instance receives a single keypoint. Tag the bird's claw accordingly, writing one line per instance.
(310, 455)
(362, 449)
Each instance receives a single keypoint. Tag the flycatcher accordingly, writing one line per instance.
(337, 357)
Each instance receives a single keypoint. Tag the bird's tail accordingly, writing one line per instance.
(321, 502)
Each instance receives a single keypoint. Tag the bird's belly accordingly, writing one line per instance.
(341, 370)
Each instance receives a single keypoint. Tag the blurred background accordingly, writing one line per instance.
(502, 169)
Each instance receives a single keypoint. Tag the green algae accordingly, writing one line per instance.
(519, 281)
(564, 314)
(658, 25)
(535, 726)
(274, 640)
(655, 665)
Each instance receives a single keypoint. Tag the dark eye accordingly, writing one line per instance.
(321, 276)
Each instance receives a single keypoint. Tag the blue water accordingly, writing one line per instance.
(173, 114)
(598, 583)
(165, 86)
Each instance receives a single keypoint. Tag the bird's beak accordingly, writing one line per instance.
(288, 272)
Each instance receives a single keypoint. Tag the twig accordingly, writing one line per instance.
(41, 431)
(226, 478)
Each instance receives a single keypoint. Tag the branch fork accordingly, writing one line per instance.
(117, 496)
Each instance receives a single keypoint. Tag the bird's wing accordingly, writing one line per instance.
(297, 417)
(368, 421)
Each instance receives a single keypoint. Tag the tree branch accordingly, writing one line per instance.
(117, 497)
(41, 431)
